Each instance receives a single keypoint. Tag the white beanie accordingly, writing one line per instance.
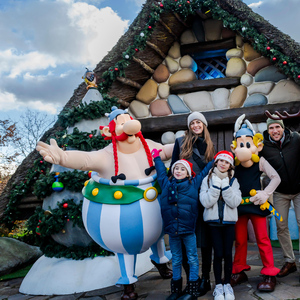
(196, 116)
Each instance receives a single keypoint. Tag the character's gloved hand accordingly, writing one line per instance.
(225, 183)
(216, 181)
(260, 198)
(155, 152)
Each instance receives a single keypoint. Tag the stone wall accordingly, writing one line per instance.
(261, 82)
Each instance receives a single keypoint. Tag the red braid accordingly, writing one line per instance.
(115, 153)
(146, 147)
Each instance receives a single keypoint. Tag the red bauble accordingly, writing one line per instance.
(284, 63)
(268, 48)
(90, 136)
(274, 58)
(65, 205)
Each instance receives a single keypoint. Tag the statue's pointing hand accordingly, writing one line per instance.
(51, 153)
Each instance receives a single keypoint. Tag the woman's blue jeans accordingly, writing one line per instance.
(189, 241)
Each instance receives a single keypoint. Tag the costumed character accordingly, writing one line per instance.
(249, 168)
(121, 209)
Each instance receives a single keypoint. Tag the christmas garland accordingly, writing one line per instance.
(49, 222)
(185, 8)
(72, 181)
(93, 110)
(83, 141)
(11, 213)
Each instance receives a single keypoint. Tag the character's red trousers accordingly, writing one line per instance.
(263, 242)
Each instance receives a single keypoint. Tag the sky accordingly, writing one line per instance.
(47, 44)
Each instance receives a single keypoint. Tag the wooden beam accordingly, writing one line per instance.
(156, 49)
(180, 20)
(204, 85)
(168, 29)
(123, 103)
(129, 82)
(143, 64)
(195, 48)
(216, 118)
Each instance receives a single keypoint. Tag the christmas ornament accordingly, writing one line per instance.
(57, 186)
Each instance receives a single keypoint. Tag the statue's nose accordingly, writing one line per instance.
(132, 127)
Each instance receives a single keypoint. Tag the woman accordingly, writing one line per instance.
(197, 147)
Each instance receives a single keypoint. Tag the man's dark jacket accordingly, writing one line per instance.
(285, 159)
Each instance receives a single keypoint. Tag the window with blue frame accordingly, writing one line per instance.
(211, 64)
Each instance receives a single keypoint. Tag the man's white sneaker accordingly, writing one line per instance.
(228, 291)
(218, 292)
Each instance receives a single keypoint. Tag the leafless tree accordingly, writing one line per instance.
(30, 128)
(8, 137)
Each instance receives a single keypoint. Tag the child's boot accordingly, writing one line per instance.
(204, 286)
(176, 288)
(228, 291)
(218, 292)
(192, 290)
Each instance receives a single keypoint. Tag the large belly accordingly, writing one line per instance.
(130, 228)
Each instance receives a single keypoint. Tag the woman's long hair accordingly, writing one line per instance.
(190, 139)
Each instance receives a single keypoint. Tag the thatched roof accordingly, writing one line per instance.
(167, 30)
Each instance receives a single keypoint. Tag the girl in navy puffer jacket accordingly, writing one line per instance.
(179, 208)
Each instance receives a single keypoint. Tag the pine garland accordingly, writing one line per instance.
(83, 141)
(93, 110)
(45, 223)
(72, 181)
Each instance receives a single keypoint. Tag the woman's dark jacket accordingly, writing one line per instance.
(198, 156)
(285, 159)
(180, 217)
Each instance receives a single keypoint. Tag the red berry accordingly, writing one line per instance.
(65, 205)
(188, 2)
(285, 62)
(161, 5)
(41, 161)
(116, 69)
(68, 220)
(136, 50)
(298, 76)
(274, 58)
(149, 27)
(268, 48)
(90, 136)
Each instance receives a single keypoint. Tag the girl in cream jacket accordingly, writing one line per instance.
(220, 195)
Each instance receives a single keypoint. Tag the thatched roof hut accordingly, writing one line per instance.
(124, 71)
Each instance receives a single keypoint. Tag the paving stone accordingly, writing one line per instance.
(65, 297)
(19, 297)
